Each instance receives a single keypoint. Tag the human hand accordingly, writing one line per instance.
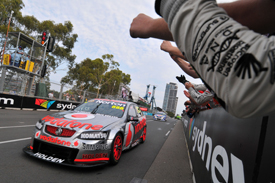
(139, 26)
(188, 85)
(181, 79)
(187, 94)
(166, 46)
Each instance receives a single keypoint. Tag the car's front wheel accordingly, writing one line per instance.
(116, 149)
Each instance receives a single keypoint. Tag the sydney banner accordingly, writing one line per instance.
(15, 101)
(223, 148)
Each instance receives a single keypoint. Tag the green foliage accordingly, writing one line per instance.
(29, 25)
(170, 114)
(101, 75)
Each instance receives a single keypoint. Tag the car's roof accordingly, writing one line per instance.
(160, 113)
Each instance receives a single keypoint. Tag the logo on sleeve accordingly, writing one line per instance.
(247, 63)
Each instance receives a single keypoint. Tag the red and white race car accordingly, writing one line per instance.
(94, 133)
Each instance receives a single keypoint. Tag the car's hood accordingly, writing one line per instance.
(80, 120)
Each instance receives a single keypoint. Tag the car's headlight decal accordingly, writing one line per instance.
(39, 124)
(93, 135)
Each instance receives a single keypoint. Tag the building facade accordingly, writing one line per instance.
(170, 99)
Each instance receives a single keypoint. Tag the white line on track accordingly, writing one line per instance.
(167, 133)
(8, 141)
(16, 126)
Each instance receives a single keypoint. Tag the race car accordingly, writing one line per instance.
(160, 116)
(178, 117)
(94, 133)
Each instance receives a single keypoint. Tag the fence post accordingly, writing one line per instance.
(3, 77)
(61, 91)
(30, 85)
(84, 94)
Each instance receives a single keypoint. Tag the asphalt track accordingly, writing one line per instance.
(162, 158)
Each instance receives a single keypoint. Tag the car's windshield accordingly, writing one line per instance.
(106, 107)
(160, 113)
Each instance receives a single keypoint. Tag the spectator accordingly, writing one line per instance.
(67, 96)
(177, 56)
(51, 95)
(190, 112)
(130, 98)
(123, 93)
(79, 98)
(16, 57)
(158, 28)
(235, 62)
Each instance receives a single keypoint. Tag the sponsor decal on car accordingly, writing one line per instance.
(117, 107)
(140, 125)
(72, 123)
(98, 135)
(57, 140)
(111, 103)
(95, 147)
(95, 156)
(48, 158)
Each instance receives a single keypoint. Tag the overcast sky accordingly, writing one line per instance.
(103, 28)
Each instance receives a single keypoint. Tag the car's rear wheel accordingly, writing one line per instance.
(116, 149)
(144, 135)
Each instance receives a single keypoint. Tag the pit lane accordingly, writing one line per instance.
(16, 128)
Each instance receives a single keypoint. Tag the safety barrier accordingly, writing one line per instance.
(26, 102)
(224, 148)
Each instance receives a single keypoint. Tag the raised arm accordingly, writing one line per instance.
(261, 19)
(237, 63)
(144, 26)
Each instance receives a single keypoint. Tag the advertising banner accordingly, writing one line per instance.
(266, 159)
(7, 100)
(15, 101)
(222, 148)
(42, 103)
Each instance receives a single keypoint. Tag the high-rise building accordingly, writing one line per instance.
(170, 99)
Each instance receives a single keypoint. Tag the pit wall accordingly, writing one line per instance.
(224, 148)
(25, 102)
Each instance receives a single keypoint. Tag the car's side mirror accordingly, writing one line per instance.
(132, 118)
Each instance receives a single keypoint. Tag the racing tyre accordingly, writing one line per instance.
(144, 135)
(116, 149)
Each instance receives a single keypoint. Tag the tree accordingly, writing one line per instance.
(97, 75)
(170, 114)
(29, 25)
(111, 86)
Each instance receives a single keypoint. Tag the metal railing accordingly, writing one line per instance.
(19, 84)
